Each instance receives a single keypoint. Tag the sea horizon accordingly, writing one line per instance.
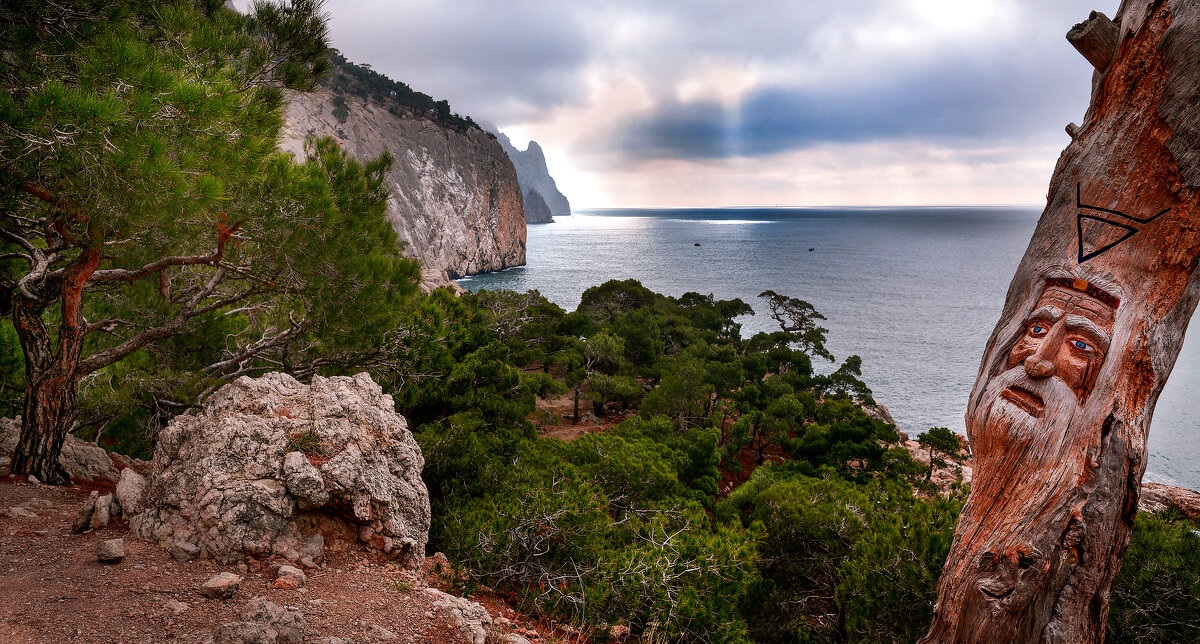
(875, 273)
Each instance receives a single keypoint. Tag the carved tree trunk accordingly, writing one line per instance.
(1091, 328)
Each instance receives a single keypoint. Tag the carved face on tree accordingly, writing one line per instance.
(1051, 368)
(1066, 337)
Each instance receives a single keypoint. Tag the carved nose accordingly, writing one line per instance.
(1038, 367)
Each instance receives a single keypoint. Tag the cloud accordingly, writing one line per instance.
(955, 100)
(617, 86)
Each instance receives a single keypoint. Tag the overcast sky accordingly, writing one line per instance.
(707, 103)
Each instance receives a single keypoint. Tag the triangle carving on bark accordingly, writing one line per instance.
(1101, 224)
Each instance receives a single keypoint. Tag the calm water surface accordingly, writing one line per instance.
(915, 292)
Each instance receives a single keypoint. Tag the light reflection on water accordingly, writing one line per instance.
(915, 292)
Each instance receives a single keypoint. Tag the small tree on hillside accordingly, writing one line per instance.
(939, 441)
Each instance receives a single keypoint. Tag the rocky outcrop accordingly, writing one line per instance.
(273, 467)
(455, 201)
(536, 210)
(1156, 497)
(82, 460)
(533, 174)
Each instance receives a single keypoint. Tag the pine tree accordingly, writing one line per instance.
(142, 196)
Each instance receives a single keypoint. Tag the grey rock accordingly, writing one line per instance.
(110, 551)
(288, 623)
(83, 519)
(184, 551)
(304, 481)
(536, 210)
(245, 633)
(455, 199)
(380, 633)
(130, 490)
(175, 606)
(18, 512)
(314, 547)
(217, 481)
(33, 479)
(221, 586)
(290, 577)
(513, 638)
(470, 618)
(82, 460)
(102, 514)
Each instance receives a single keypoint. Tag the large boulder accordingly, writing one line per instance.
(271, 466)
(82, 460)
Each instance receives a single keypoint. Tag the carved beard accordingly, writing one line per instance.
(1010, 422)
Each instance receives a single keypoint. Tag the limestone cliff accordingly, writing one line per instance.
(536, 210)
(534, 175)
(455, 200)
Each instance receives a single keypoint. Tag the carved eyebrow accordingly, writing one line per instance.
(1047, 313)
(1080, 323)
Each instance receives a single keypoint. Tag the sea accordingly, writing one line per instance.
(915, 292)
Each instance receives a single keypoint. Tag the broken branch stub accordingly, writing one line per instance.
(1091, 327)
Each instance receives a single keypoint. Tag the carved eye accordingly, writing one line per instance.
(1038, 329)
(1081, 345)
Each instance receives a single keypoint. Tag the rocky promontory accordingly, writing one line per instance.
(455, 200)
(534, 176)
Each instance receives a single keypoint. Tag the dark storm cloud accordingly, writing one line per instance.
(948, 102)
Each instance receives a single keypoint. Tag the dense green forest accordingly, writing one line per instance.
(736, 493)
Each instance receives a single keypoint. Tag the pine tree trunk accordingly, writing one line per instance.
(50, 398)
(51, 372)
(1091, 327)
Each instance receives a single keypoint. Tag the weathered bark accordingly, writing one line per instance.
(51, 373)
(1091, 327)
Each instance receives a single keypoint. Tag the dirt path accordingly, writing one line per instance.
(54, 591)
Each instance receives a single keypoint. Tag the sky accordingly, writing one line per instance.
(751, 102)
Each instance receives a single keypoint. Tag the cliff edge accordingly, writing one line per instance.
(455, 200)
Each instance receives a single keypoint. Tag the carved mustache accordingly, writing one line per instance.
(1031, 395)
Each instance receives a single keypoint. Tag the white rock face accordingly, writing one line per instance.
(455, 200)
(82, 460)
(230, 478)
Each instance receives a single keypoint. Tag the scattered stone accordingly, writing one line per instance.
(130, 490)
(103, 512)
(184, 551)
(221, 586)
(289, 578)
(468, 616)
(111, 551)
(288, 623)
(175, 606)
(242, 567)
(33, 479)
(513, 638)
(307, 562)
(82, 460)
(380, 633)
(237, 457)
(18, 512)
(245, 633)
(83, 520)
